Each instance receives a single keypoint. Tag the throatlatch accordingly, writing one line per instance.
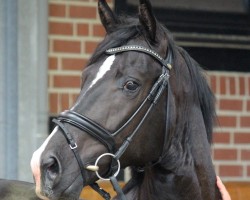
(105, 137)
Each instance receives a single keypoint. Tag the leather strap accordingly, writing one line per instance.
(90, 127)
(117, 188)
(72, 144)
(74, 149)
(101, 191)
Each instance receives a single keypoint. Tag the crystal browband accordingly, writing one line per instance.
(165, 63)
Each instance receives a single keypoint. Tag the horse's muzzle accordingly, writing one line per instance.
(47, 173)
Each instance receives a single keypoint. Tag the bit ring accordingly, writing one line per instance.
(115, 174)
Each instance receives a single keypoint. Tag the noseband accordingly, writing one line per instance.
(104, 136)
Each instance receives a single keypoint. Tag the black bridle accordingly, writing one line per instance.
(107, 138)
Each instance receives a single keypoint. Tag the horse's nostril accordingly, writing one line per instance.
(52, 167)
(51, 170)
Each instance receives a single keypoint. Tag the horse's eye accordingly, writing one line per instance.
(131, 85)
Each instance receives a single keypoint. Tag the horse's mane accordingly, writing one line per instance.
(129, 28)
(201, 91)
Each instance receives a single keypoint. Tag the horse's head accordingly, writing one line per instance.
(119, 87)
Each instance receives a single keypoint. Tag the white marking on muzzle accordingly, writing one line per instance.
(106, 66)
(35, 164)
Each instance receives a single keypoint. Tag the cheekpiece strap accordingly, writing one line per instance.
(167, 63)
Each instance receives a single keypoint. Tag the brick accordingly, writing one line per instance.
(225, 154)
(232, 85)
(245, 121)
(86, 12)
(56, 10)
(222, 85)
(90, 46)
(98, 30)
(248, 105)
(242, 86)
(221, 137)
(248, 82)
(73, 63)
(83, 29)
(53, 103)
(64, 101)
(231, 170)
(248, 170)
(231, 104)
(213, 83)
(53, 63)
(67, 81)
(245, 154)
(242, 138)
(60, 28)
(74, 97)
(50, 81)
(67, 46)
(226, 121)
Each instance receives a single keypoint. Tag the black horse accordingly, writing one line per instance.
(144, 103)
(13, 190)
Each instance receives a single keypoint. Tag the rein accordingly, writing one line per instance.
(107, 138)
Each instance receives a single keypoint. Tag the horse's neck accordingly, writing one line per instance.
(190, 161)
(187, 172)
(161, 184)
(201, 155)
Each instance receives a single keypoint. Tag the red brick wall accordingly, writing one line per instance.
(75, 30)
(231, 152)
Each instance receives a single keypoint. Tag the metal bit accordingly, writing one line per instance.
(92, 168)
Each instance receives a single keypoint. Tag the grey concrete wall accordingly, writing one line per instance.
(9, 93)
(32, 79)
(23, 84)
(2, 85)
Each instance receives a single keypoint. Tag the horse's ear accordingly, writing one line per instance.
(107, 16)
(147, 18)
